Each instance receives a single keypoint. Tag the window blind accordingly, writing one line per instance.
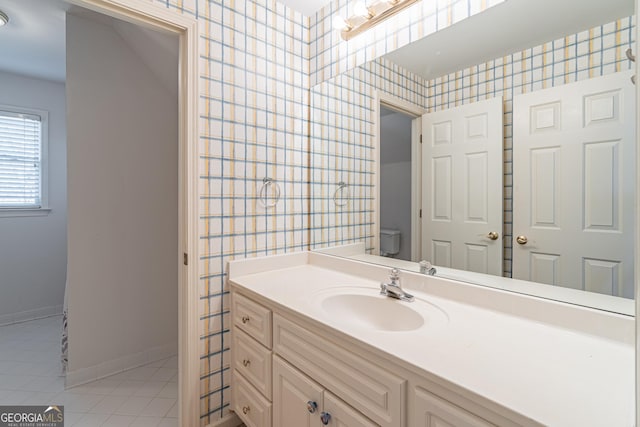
(20, 160)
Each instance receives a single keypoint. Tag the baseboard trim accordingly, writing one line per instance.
(230, 420)
(25, 316)
(86, 375)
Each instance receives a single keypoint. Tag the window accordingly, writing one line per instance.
(23, 152)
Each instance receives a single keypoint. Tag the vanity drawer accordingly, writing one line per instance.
(363, 385)
(252, 318)
(253, 361)
(252, 408)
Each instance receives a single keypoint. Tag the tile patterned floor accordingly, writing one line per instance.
(30, 373)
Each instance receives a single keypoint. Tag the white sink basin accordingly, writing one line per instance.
(375, 312)
(365, 308)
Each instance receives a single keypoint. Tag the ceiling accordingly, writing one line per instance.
(509, 27)
(34, 42)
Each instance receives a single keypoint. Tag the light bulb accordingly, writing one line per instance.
(339, 23)
(4, 19)
(361, 9)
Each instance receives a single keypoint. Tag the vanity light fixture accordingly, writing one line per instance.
(4, 19)
(366, 16)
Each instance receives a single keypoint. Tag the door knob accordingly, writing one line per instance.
(522, 240)
(493, 235)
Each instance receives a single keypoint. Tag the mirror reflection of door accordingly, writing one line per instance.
(395, 184)
(462, 187)
(574, 162)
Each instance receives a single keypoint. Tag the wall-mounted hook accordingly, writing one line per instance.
(632, 58)
(630, 55)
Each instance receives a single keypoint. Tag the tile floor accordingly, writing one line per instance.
(30, 373)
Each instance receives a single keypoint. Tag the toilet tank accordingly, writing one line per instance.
(389, 241)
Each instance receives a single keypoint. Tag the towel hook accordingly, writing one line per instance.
(263, 196)
(630, 55)
(343, 192)
(631, 58)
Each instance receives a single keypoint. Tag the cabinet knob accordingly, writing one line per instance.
(312, 406)
(493, 235)
(245, 409)
(522, 240)
(325, 417)
(246, 362)
(245, 319)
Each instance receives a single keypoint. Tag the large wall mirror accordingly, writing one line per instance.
(501, 149)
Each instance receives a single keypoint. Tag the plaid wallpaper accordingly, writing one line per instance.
(253, 124)
(253, 113)
(595, 52)
(341, 149)
(258, 61)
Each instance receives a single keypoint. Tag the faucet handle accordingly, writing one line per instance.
(424, 266)
(395, 273)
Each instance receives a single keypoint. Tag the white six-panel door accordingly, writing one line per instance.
(574, 185)
(462, 187)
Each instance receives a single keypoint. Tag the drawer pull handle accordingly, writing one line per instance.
(246, 362)
(245, 319)
(245, 410)
(325, 417)
(312, 406)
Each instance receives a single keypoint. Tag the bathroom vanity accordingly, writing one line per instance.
(315, 343)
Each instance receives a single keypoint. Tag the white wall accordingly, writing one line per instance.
(395, 178)
(123, 249)
(33, 250)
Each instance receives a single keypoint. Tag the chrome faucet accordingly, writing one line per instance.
(393, 289)
(427, 268)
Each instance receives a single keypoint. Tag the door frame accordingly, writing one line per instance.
(152, 16)
(637, 219)
(415, 111)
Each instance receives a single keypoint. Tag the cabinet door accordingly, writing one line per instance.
(292, 394)
(343, 415)
(433, 411)
(367, 387)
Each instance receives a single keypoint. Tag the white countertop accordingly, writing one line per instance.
(548, 371)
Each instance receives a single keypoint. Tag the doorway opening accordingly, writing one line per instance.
(398, 201)
(183, 223)
(395, 184)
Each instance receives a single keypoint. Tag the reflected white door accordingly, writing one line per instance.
(574, 185)
(462, 187)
